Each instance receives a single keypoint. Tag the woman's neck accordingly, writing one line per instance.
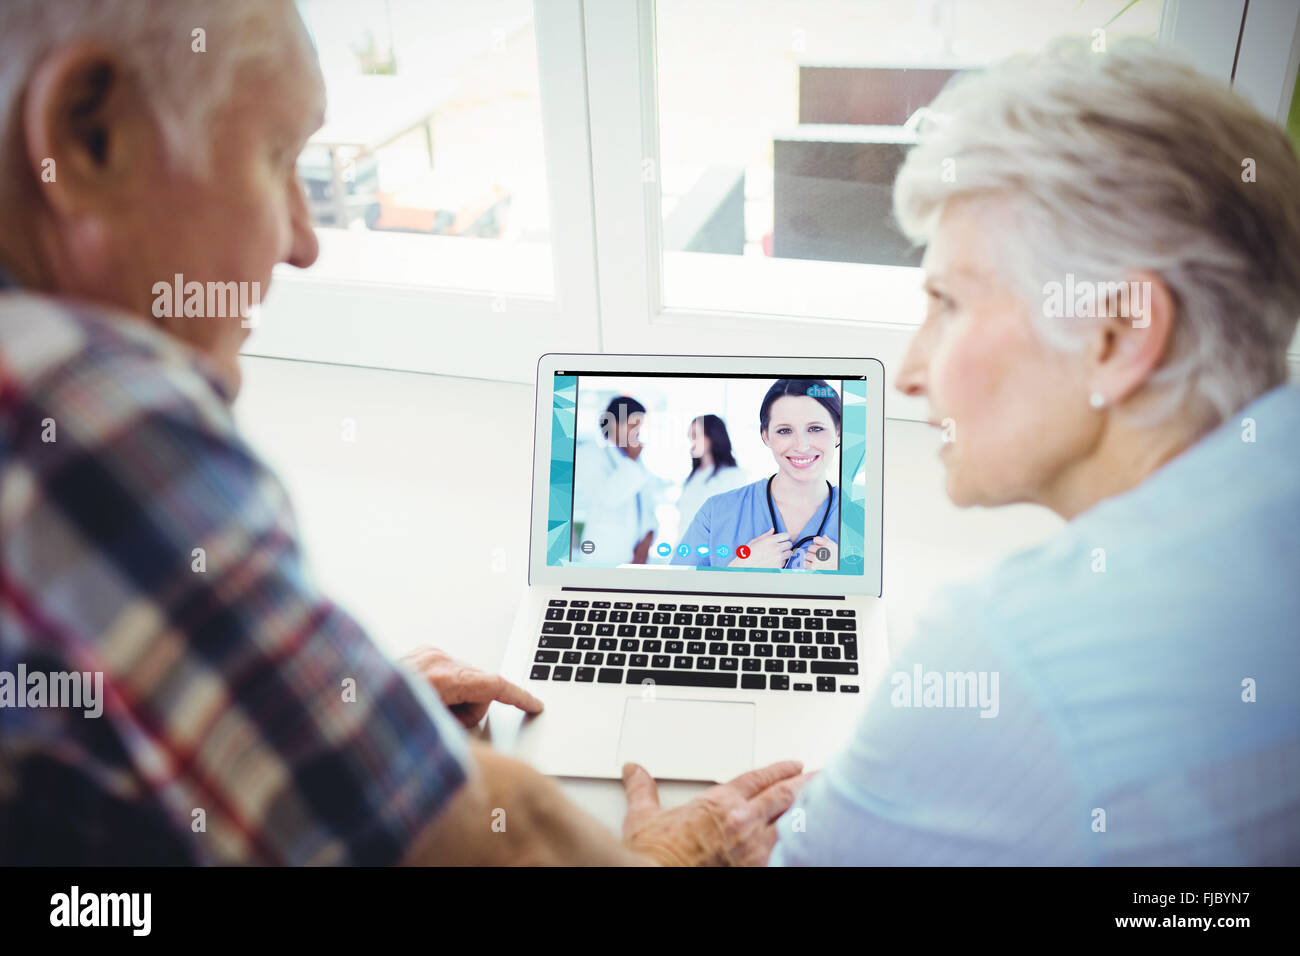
(798, 492)
(706, 460)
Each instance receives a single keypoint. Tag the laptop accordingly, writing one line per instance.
(659, 625)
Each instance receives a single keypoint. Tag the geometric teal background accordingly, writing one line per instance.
(853, 497)
(564, 424)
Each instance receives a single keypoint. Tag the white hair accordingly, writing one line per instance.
(1107, 163)
(156, 39)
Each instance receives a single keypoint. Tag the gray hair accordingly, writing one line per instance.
(156, 39)
(1106, 163)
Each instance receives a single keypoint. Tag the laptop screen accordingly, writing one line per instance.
(712, 473)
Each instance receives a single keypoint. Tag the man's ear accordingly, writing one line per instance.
(1133, 339)
(84, 117)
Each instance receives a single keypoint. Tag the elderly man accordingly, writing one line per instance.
(1126, 693)
(245, 718)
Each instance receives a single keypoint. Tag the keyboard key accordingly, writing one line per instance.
(834, 667)
(680, 618)
(578, 603)
(670, 632)
(758, 635)
(704, 620)
(851, 652)
(682, 678)
(539, 672)
(797, 667)
(640, 617)
(785, 650)
(807, 652)
(692, 633)
(733, 609)
(629, 645)
(556, 627)
(769, 621)
(689, 607)
(822, 611)
(683, 663)
(711, 608)
(585, 675)
(639, 660)
(780, 682)
(718, 649)
(848, 688)
(803, 637)
(844, 612)
(547, 657)
(563, 643)
(582, 627)
(740, 650)
(607, 644)
(661, 617)
(729, 664)
(572, 657)
(586, 643)
(557, 603)
(749, 620)
(803, 686)
(661, 660)
(797, 611)
(554, 614)
(652, 647)
(726, 620)
(763, 650)
(644, 606)
(706, 663)
(618, 617)
(773, 666)
(755, 610)
(596, 616)
(777, 610)
(791, 623)
(675, 647)
(610, 675)
(648, 630)
(736, 633)
(751, 664)
(824, 637)
(695, 647)
(826, 684)
(831, 653)
(627, 630)
(811, 623)
(616, 660)
(600, 604)
(713, 633)
(623, 605)
(604, 630)
(562, 673)
(753, 681)
(780, 637)
(594, 658)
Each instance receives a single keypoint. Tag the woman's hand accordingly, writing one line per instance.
(467, 691)
(768, 550)
(732, 824)
(813, 563)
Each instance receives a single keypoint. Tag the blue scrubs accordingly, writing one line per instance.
(738, 517)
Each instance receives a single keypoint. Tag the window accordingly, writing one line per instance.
(679, 176)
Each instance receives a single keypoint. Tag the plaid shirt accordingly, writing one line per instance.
(231, 686)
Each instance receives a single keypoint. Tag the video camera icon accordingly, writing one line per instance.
(665, 549)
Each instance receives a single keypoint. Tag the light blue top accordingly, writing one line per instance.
(1148, 665)
(738, 517)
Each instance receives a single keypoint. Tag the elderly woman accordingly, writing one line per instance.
(1113, 276)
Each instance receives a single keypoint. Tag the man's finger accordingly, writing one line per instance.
(479, 686)
(642, 793)
(755, 781)
(778, 798)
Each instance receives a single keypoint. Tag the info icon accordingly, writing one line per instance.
(742, 552)
(722, 550)
(823, 554)
(665, 549)
(588, 546)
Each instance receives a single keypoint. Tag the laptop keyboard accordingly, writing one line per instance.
(751, 647)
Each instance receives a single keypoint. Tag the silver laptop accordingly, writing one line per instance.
(704, 571)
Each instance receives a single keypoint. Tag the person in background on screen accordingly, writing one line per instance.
(713, 467)
(614, 494)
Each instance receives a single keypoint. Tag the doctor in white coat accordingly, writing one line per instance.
(614, 494)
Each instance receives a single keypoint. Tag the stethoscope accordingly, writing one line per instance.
(771, 510)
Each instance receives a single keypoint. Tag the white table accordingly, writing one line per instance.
(414, 546)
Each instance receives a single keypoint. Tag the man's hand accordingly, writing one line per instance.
(732, 824)
(467, 691)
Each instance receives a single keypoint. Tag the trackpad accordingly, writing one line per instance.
(688, 739)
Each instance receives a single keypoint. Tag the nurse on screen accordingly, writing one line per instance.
(787, 520)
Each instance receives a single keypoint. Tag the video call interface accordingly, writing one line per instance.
(708, 472)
